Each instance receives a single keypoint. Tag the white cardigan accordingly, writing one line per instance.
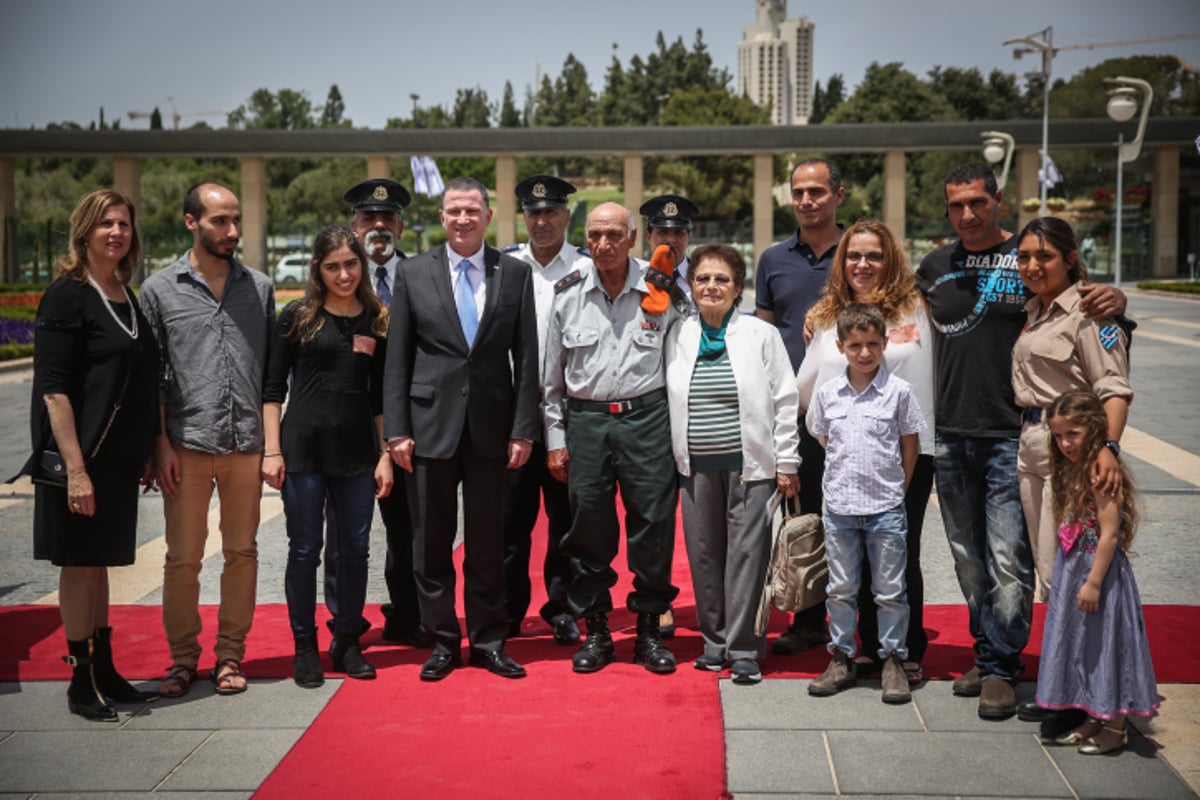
(767, 401)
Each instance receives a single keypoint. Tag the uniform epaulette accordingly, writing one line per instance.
(512, 248)
(567, 282)
(583, 251)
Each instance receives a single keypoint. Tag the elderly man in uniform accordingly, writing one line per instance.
(669, 221)
(605, 406)
(543, 200)
(377, 205)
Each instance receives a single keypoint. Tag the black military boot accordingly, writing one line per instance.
(83, 698)
(108, 680)
(597, 650)
(306, 667)
(649, 650)
(347, 657)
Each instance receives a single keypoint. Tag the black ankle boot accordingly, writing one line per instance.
(597, 650)
(649, 650)
(83, 698)
(108, 680)
(347, 657)
(306, 669)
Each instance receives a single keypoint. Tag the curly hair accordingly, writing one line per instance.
(84, 219)
(308, 320)
(1071, 481)
(895, 294)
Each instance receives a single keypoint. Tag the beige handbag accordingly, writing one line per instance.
(797, 575)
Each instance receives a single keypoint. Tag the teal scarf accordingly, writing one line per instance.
(712, 339)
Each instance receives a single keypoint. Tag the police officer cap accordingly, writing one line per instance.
(669, 211)
(378, 194)
(543, 191)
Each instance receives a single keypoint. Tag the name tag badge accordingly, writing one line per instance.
(364, 344)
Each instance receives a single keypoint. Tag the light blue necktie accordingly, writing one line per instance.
(464, 298)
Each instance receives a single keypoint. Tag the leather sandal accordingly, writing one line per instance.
(228, 669)
(177, 681)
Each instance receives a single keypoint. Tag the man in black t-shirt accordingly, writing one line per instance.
(977, 305)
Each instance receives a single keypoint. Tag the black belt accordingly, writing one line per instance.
(617, 406)
(1031, 415)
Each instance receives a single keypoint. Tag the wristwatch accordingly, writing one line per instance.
(1114, 447)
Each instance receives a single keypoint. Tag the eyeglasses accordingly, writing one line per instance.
(719, 280)
(871, 258)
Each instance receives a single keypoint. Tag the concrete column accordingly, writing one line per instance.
(1026, 185)
(9, 264)
(894, 195)
(127, 179)
(379, 167)
(506, 200)
(1164, 212)
(635, 187)
(764, 203)
(254, 212)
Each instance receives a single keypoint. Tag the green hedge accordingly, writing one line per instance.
(10, 351)
(1180, 287)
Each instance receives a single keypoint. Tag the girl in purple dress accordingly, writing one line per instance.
(1095, 656)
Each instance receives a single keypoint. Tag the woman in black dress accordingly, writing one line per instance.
(329, 445)
(95, 402)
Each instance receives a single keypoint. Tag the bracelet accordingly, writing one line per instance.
(271, 455)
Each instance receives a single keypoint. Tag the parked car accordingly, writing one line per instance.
(292, 269)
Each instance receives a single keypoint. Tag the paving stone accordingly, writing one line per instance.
(233, 760)
(777, 761)
(1134, 774)
(98, 760)
(943, 711)
(139, 796)
(960, 764)
(42, 706)
(784, 704)
(265, 704)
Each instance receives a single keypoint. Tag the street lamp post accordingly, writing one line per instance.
(1043, 45)
(998, 146)
(1122, 105)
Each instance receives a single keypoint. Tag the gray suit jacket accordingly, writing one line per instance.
(433, 384)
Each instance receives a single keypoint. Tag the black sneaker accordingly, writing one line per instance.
(709, 663)
(745, 671)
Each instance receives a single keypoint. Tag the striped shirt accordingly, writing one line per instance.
(714, 432)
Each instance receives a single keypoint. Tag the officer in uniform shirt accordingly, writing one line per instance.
(605, 407)
(543, 200)
(669, 221)
(377, 205)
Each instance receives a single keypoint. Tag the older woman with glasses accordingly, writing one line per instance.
(734, 435)
(870, 267)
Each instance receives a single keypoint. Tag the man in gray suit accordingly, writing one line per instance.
(461, 406)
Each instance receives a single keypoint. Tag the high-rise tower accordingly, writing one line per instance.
(775, 63)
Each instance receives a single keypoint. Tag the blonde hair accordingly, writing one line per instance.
(1071, 481)
(895, 295)
(84, 219)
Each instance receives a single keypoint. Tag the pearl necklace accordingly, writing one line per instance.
(132, 330)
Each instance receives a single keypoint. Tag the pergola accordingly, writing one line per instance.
(1165, 138)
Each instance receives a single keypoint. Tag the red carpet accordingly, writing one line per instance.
(620, 733)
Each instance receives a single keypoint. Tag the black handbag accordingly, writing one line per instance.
(50, 469)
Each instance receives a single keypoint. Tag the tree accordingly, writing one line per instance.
(471, 109)
(332, 115)
(156, 120)
(285, 110)
(826, 101)
(973, 98)
(574, 93)
(509, 116)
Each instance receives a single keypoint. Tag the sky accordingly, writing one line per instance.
(62, 60)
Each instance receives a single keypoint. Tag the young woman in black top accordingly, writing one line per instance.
(331, 344)
(95, 402)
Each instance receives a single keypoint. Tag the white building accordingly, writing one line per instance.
(775, 63)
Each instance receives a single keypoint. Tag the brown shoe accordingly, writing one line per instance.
(840, 674)
(895, 681)
(968, 685)
(997, 699)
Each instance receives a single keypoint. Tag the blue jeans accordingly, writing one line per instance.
(353, 501)
(883, 535)
(980, 498)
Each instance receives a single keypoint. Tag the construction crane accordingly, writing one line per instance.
(175, 115)
(1020, 51)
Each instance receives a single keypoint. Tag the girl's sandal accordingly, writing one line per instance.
(227, 677)
(1094, 747)
(1081, 734)
(177, 681)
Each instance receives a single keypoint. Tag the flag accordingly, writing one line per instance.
(1198, 144)
(1052, 176)
(426, 178)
